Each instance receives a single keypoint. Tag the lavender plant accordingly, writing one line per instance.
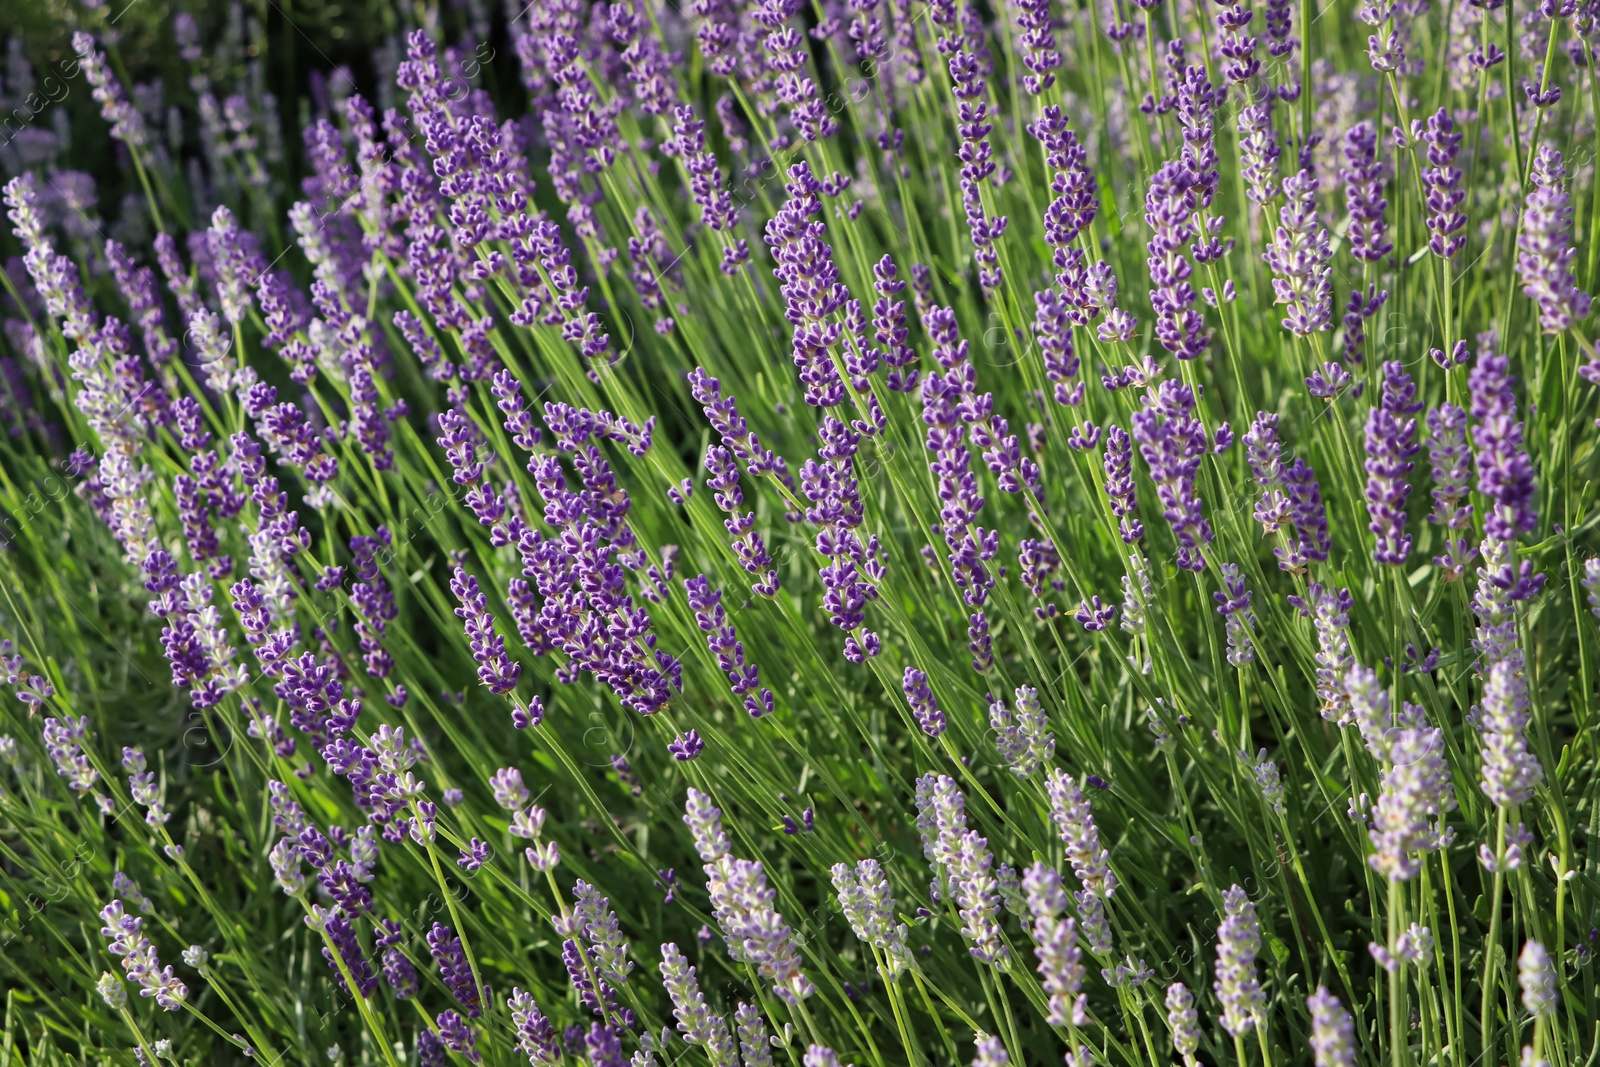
(625, 533)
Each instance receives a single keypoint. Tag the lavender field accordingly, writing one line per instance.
(775, 534)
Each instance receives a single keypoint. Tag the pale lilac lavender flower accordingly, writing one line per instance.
(1238, 941)
(1184, 1022)
(1075, 823)
(977, 895)
(1167, 211)
(1591, 584)
(753, 1042)
(1259, 151)
(1330, 611)
(127, 123)
(868, 905)
(1451, 463)
(63, 743)
(1055, 939)
(1023, 737)
(1333, 1041)
(696, 1022)
(989, 1051)
(139, 958)
(1298, 256)
(1233, 604)
(603, 933)
(1510, 770)
(1536, 974)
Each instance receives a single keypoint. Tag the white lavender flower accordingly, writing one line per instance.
(1238, 941)
(112, 991)
(1075, 823)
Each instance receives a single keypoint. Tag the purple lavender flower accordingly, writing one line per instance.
(451, 959)
(1391, 442)
(1443, 181)
(710, 616)
(1505, 473)
(977, 164)
(1233, 604)
(1172, 442)
(1038, 46)
(536, 1036)
(459, 1038)
(496, 669)
(1362, 175)
(923, 705)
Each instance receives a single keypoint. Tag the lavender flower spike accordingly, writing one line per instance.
(1075, 823)
(1299, 255)
(868, 904)
(1391, 442)
(1545, 254)
(1056, 945)
(1184, 1021)
(1510, 771)
(1333, 1042)
(1536, 974)
(1238, 941)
